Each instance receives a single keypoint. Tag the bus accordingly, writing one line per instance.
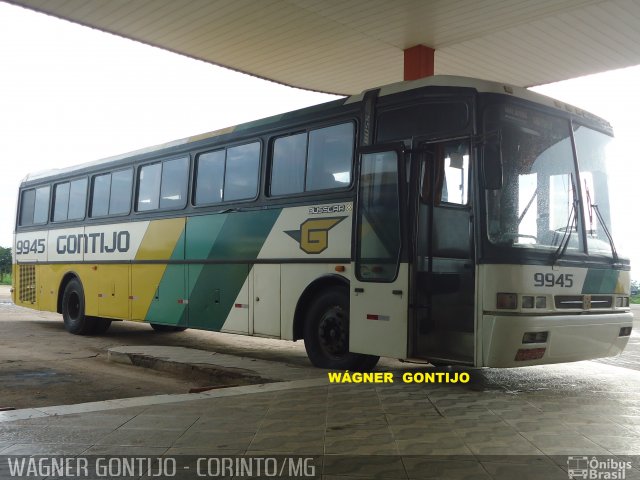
(446, 219)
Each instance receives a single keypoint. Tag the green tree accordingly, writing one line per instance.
(5, 262)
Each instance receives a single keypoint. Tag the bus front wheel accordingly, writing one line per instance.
(326, 333)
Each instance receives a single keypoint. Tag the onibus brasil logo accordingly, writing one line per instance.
(596, 469)
(313, 236)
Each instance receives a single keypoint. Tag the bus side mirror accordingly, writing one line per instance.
(492, 165)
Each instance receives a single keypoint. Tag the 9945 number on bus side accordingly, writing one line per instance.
(24, 247)
(552, 280)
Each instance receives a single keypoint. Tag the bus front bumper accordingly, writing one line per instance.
(570, 338)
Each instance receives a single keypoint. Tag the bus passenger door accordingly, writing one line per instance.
(379, 280)
(443, 279)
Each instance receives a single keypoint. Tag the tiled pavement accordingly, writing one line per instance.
(522, 428)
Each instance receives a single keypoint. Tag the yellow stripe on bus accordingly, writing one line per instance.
(158, 243)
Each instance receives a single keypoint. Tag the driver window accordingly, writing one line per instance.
(451, 164)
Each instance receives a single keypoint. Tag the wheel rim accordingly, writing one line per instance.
(73, 306)
(333, 332)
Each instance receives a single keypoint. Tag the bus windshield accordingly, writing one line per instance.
(536, 208)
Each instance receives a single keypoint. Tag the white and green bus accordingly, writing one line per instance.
(448, 219)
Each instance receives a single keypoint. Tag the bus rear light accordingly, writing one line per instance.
(535, 337)
(625, 332)
(529, 354)
(507, 301)
(541, 302)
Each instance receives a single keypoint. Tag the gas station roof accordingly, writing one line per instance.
(346, 46)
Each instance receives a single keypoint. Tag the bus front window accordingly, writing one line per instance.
(536, 207)
(593, 149)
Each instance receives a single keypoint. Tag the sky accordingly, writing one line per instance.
(70, 94)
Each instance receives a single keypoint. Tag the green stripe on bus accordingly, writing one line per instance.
(600, 281)
(213, 289)
(166, 308)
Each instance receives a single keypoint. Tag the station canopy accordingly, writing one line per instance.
(346, 46)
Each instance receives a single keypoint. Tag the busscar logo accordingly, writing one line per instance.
(337, 208)
(313, 236)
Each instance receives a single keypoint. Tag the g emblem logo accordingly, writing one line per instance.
(313, 236)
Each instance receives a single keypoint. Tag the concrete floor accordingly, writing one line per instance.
(519, 423)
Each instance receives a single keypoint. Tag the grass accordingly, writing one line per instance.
(5, 280)
(635, 298)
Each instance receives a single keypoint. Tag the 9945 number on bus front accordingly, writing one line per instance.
(552, 280)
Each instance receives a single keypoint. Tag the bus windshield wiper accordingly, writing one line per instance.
(594, 208)
(614, 252)
(566, 236)
(571, 224)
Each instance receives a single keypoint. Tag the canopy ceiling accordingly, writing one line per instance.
(346, 46)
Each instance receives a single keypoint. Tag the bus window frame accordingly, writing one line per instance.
(136, 184)
(21, 205)
(89, 201)
(194, 173)
(85, 216)
(35, 201)
(305, 192)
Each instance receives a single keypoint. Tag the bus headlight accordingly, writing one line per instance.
(622, 302)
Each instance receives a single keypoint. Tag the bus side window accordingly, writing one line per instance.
(242, 172)
(209, 177)
(61, 201)
(120, 200)
(100, 195)
(330, 157)
(77, 199)
(111, 194)
(69, 200)
(318, 160)
(173, 188)
(41, 210)
(149, 187)
(288, 164)
(27, 206)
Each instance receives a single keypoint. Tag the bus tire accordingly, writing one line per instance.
(166, 328)
(326, 333)
(75, 321)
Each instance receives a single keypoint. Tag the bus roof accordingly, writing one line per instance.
(483, 86)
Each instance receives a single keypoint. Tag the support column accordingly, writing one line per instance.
(418, 62)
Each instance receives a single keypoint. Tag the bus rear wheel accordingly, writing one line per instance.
(73, 306)
(326, 333)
